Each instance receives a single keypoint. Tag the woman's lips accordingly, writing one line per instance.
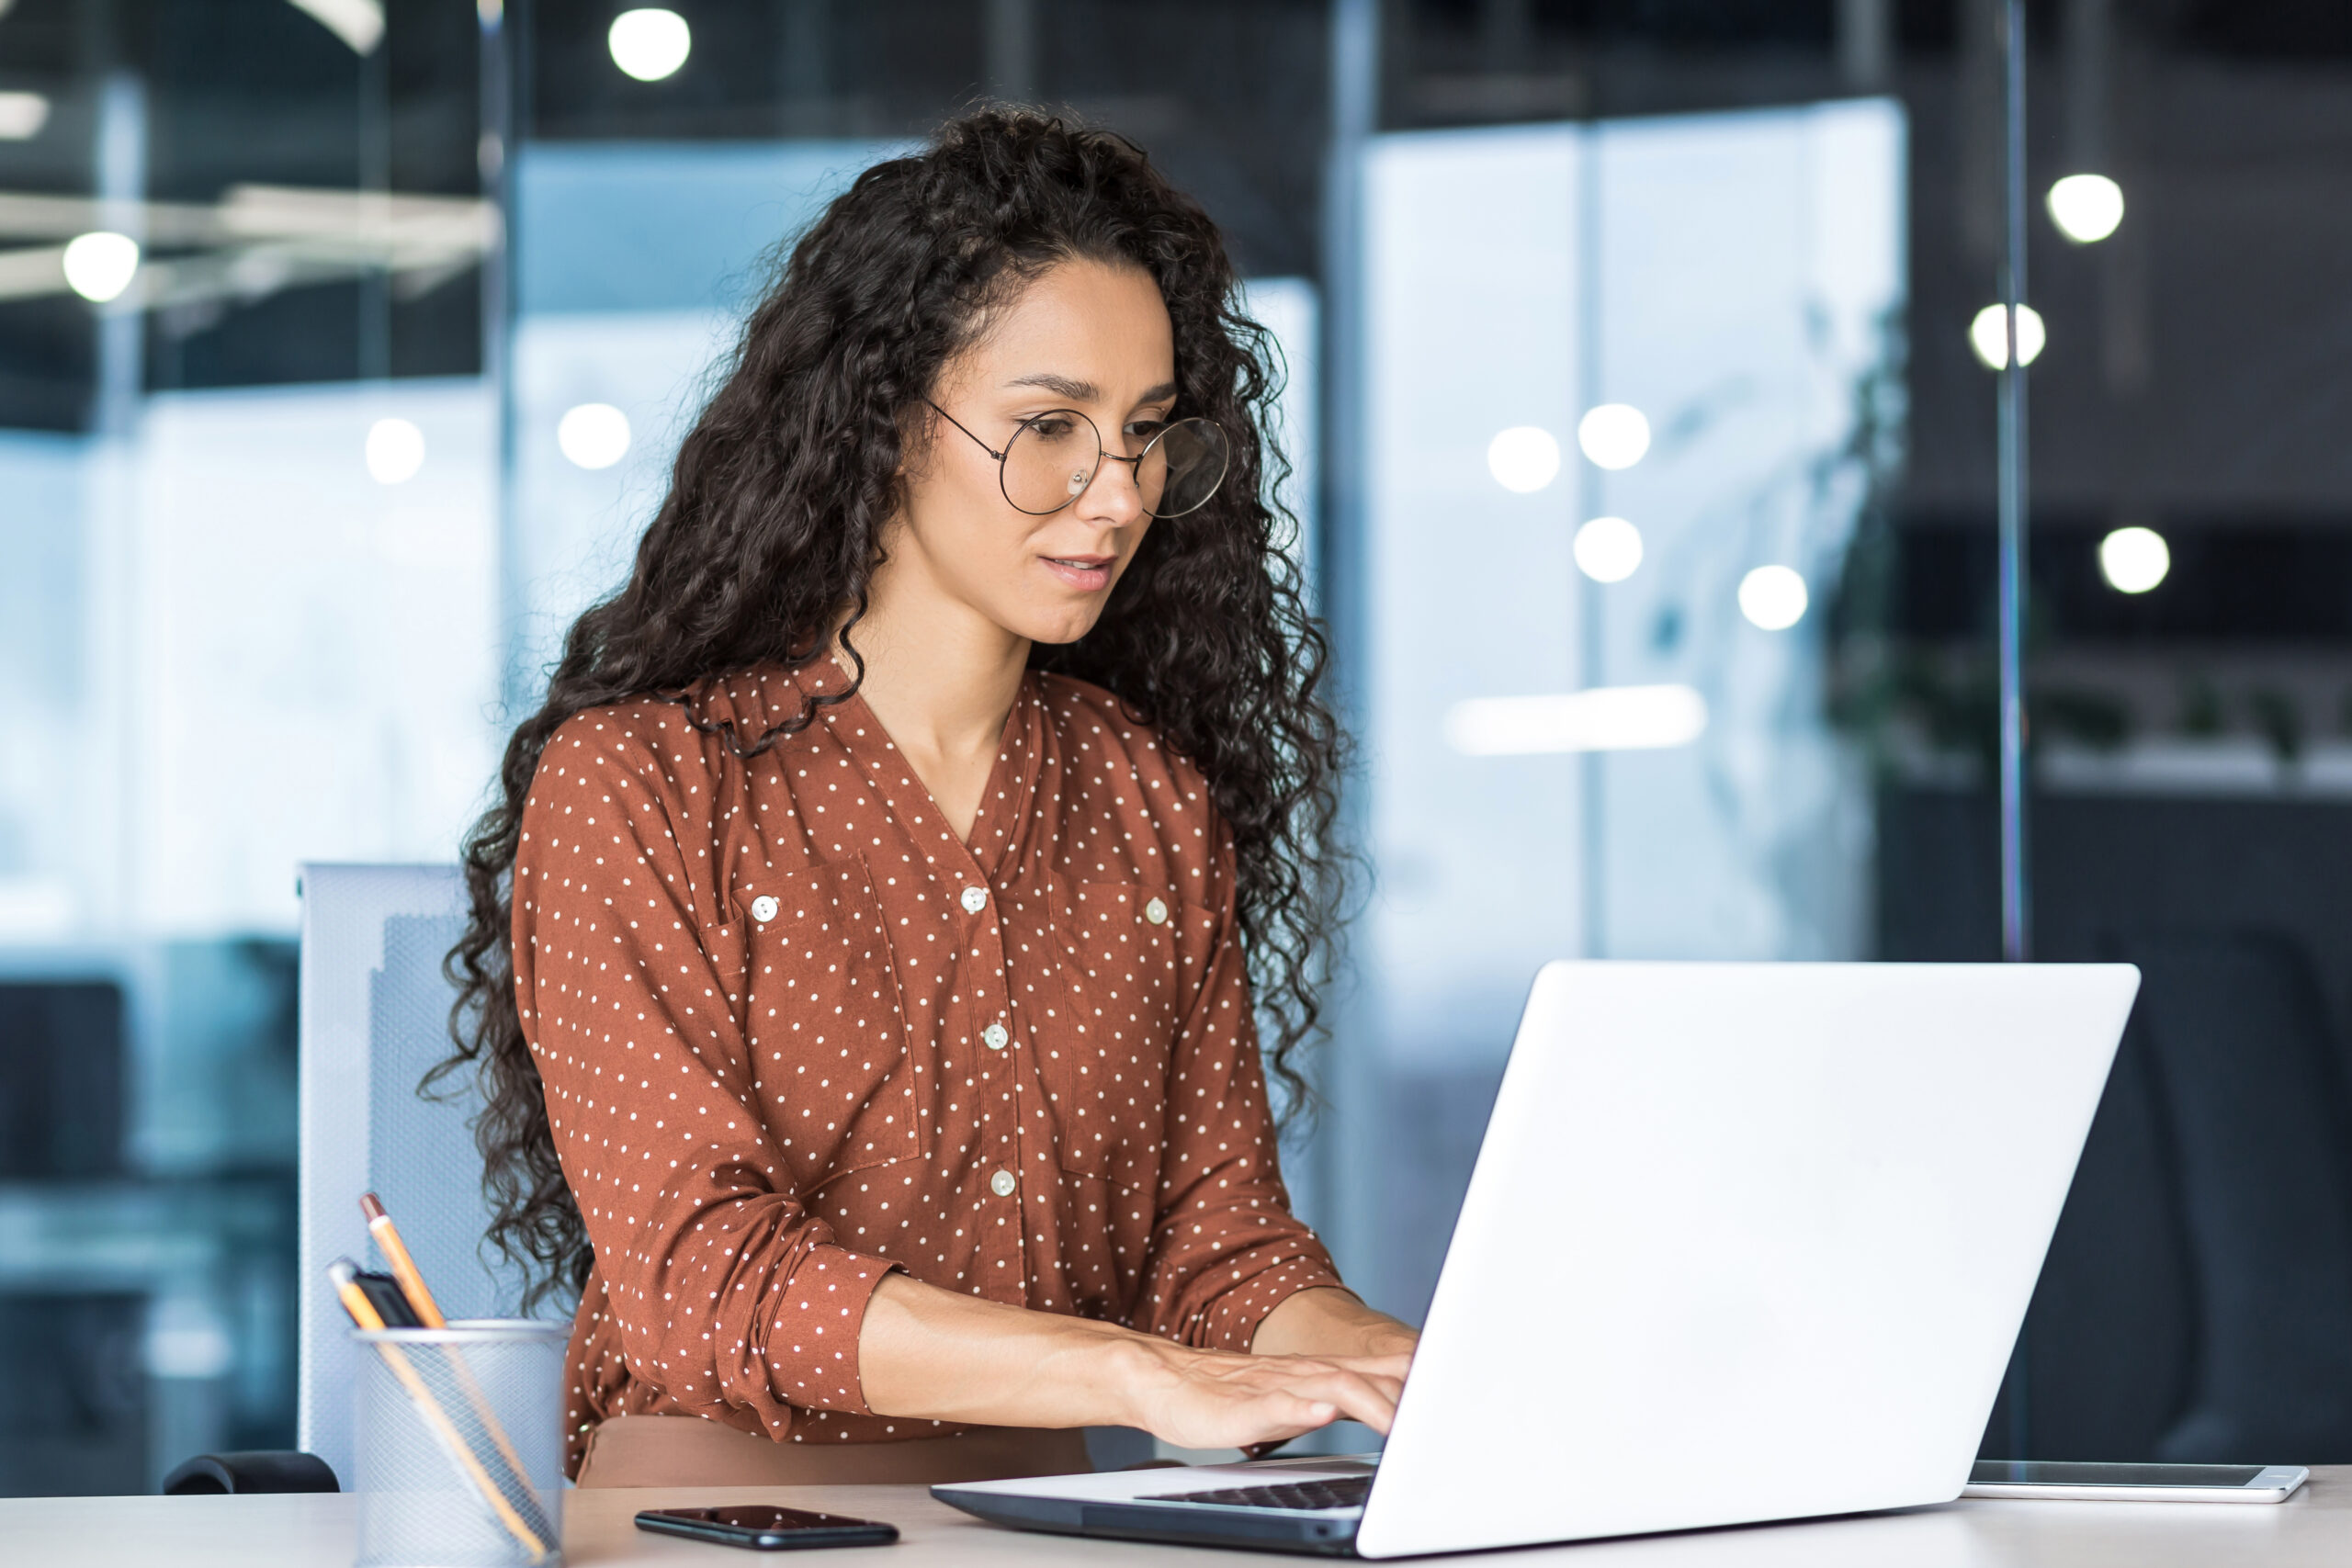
(1089, 574)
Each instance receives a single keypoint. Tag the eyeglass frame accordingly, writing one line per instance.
(1102, 450)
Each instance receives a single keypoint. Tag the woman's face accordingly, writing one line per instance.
(1082, 335)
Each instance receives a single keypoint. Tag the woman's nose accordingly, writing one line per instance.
(1114, 496)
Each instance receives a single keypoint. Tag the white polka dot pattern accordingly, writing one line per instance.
(794, 1033)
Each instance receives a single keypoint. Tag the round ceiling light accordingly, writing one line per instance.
(2086, 208)
(99, 265)
(395, 451)
(2135, 559)
(1988, 335)
(1608, 549)
(594, 436)
(1774, 597)
(1523, 458)
(1615, 435)
(650, 43)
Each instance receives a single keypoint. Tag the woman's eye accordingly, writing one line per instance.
(1145, 428)
(1053, 428)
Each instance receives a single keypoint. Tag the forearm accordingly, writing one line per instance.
(929, 1353)
(936, 1355)
(1326, 1321)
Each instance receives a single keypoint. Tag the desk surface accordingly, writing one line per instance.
(316, 1530)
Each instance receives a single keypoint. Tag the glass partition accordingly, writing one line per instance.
(1627, 397)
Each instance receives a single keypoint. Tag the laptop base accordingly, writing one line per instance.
(1314, 1535)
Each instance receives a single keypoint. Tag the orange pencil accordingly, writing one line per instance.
(388, 1238)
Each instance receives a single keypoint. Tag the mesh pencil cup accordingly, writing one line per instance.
(460, 1444)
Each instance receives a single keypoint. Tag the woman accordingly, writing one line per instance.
(887, 871)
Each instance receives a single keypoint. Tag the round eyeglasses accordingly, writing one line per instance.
(1054, 455)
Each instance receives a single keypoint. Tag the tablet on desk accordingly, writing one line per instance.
(2134, 1483)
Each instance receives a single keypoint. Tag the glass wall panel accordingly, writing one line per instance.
(248, 617)
(1625, 397)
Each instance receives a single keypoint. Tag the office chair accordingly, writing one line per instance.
(374, 1017)
(2197, 1305)
(2263, 1134)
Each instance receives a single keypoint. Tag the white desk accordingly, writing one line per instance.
(2311, 1529)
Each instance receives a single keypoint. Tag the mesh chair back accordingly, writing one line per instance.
(374, 1017)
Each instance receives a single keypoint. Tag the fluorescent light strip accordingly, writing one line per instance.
(1600, 718)
(359, 23)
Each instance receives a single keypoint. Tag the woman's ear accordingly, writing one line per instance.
(918, 434)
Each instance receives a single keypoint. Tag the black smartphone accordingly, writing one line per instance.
(763, 1528)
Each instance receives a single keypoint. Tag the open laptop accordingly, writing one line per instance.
(1745, 1242)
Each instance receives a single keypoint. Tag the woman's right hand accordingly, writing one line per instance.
(1212, 1399)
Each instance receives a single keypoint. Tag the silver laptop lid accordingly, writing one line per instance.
(1745, 1242)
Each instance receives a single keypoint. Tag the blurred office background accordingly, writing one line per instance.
(1635, 347)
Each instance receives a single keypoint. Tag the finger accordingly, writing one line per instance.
(1357, 1397)
(1288, 1415)
(1391, 1388)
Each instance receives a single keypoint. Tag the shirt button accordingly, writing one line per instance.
(763, 909)
(1155, 912)
(1001, 1184)
(975, 900)
(995, 1036)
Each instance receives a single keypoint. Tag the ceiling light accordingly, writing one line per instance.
(100, 264)
(1600, 718)
(1988, 335)
(594, 436)
(650, 43)
(1774, 597)
(22, 115)
(2135, 559)
(1608, 549)
(1613, 436)
(2086, 208)
(395, 451)
(1523, 458)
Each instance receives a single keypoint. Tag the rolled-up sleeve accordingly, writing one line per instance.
(724, 1291)
(1226, 1249)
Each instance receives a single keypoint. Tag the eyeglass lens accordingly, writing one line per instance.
(1053, 458)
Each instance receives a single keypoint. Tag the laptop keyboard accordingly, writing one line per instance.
(1347, 1491)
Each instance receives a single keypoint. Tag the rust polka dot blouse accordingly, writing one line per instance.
(796, 1034)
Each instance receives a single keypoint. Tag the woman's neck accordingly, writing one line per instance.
(942, 678)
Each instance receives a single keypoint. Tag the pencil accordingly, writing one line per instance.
(388, 1238)
(362, 1313)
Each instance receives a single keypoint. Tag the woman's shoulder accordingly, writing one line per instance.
(1093, 719)
(1117, 764)
(691, 733)
(646, 739)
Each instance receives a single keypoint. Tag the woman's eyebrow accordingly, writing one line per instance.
(1061, 385)
(1084, 392)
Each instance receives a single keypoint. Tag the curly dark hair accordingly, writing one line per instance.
(777, 515)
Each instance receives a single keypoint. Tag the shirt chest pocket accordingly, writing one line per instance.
(827, 1030)
(1105, 1067)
